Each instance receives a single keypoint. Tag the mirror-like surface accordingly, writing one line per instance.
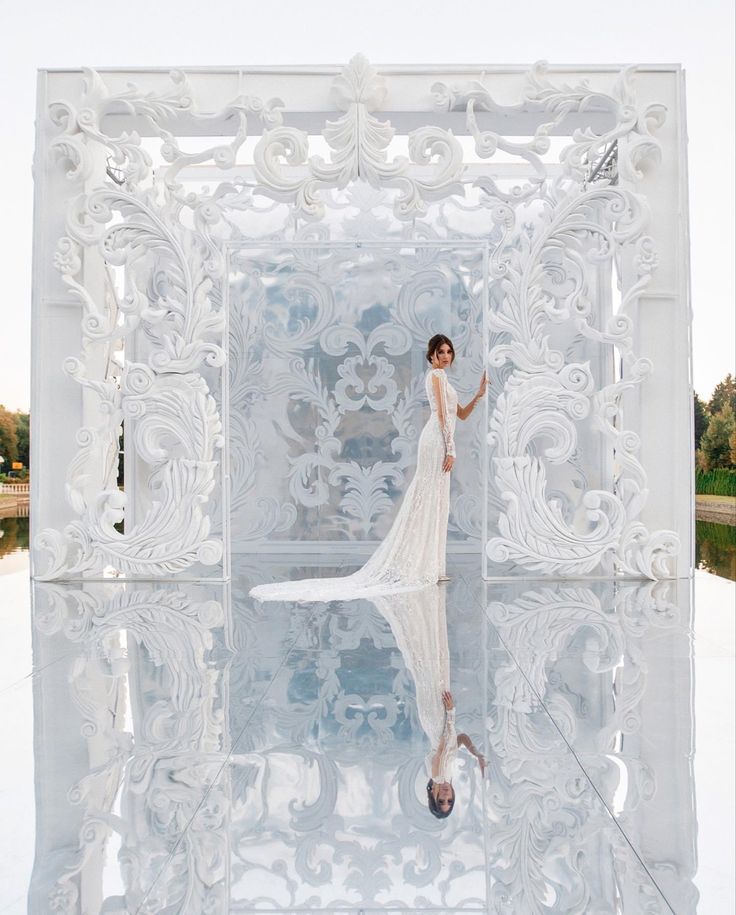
(194, 751)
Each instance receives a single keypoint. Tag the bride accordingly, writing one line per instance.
(412, 555)
(418, 622)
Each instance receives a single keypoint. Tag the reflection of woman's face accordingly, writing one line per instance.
(442, 792)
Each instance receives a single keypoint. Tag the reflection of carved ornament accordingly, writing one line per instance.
(325, 728)
(177, 747)
(547, 809)
(267, 824)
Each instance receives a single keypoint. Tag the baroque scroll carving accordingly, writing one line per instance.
(154, 351)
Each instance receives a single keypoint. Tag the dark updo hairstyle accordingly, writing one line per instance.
(432, 803)
(435, 343)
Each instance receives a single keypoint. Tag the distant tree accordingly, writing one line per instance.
(716, 441)
(701, 417)
(732, 443)
(22, 431)
(723, 393)
(8, 438)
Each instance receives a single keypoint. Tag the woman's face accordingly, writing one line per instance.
(443, 795)
(442, 356)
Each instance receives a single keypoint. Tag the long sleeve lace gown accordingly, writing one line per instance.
(418, 621)
(412, 555)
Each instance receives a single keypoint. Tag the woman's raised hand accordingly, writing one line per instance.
(447, 699)
(483, 384)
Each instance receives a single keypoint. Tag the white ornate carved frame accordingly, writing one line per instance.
(152, 187)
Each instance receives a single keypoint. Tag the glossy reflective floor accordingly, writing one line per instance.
(180, 749)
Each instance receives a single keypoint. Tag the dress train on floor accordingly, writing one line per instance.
(413, 553)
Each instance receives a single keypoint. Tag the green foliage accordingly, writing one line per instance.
(717, 482)
(701, 417)
(22, 476)
(14, 438)
(715, 427)
(716, 441)
(723, 393)
(23, 431)
(8, 437)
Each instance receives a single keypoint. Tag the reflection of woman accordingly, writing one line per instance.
(413, 552)
(418, 622)
(440, 762)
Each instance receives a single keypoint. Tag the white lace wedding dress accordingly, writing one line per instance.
(418, 622)
(412, 554)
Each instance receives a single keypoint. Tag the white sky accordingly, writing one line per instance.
(75, 33)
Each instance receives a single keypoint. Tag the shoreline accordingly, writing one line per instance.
(718, 509)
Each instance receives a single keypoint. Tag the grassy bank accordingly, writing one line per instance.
(719, 482)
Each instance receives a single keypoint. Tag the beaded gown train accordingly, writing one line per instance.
(412, 554)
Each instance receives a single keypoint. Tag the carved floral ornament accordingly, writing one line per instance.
(171, 243)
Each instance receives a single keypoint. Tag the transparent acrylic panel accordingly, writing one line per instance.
(327, 398)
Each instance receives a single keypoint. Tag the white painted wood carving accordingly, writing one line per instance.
(243, 289)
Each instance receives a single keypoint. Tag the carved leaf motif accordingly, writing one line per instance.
(545, 236)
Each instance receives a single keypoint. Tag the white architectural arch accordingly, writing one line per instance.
(237, 270)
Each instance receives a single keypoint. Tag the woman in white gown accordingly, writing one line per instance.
(418, 621)
(412, 555)
(440, 763)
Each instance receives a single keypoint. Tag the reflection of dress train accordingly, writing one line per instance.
(418, 622)
(412, 555)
